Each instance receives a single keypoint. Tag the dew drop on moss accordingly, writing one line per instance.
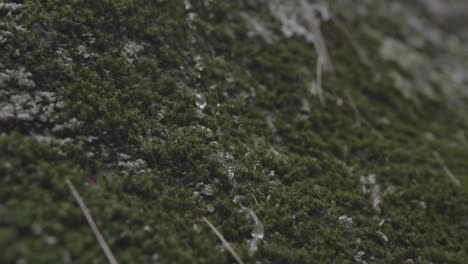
(200, 101)
(210, 208)
(231, 174)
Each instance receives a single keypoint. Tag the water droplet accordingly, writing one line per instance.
(272, 174)
(358, 257)
(187, 5)
(231, 174)
(257, 232)
(50, 240)
(228, 157)
(423, 204)
(339, 102)
(196, 194)
(160, 115)
(207, 190)
(305, 106)
(347, 221)
(196, 228)
(210, 208)
(200, 101)
(237, 198)
(198, 59)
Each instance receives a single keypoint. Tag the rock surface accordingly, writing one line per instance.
(305, 131)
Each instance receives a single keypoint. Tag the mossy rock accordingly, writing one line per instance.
(165, 112)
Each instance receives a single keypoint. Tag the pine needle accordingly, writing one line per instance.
(224, 241)
(110, 257)
(323, 61)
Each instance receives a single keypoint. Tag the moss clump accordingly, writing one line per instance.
(124, 127)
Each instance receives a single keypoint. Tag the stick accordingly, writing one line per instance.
(313, 24)
(223, 240)
(92, 224)
(446, 169)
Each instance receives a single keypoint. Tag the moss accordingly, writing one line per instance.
(141, 151)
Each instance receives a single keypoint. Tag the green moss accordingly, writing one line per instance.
(299, 171)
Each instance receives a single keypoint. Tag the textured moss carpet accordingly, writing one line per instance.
(164, 112)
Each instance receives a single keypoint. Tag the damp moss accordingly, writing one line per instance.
(140, 151)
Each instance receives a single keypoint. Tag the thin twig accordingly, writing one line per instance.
(92, 224)
(323, 58)
(252, 193)
(224, 241)
(255, 199)
(446, 169)
(313, 24)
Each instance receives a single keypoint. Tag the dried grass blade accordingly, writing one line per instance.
(446, 169)
(224, 241)
(91, 223)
